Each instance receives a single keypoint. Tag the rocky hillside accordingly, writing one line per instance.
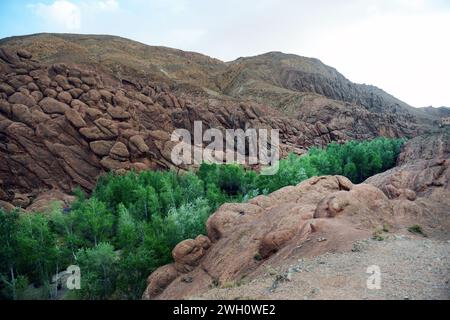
(320, 215)
(62, 126)
(284, 81)
(125, 60)
(343, 275)
(73, 107)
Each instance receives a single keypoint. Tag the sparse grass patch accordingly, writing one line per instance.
(377, 235)
(215, 283)
(257, 257)
(232, 284)
(416, 229)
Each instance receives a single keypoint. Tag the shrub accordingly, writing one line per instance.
(417, 230)
(99, 271)
(189, 220)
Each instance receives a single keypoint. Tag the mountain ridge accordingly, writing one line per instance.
(69, 103)
(163, 64)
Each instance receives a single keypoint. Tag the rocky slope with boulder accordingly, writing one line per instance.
(411, 267)
(318, 216)
(62, 126)
(66, 118)
(286, 82)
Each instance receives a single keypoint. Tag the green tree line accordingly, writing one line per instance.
(130, 223)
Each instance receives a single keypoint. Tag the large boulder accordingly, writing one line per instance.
(75, 118)
(65, 97)
(22, 113)
(119, 151)
(20, 98)
(137, 142)
(159, 280)
(50, 200)
(50, 105)
(101, 147)
(188, 253)
(24, 54)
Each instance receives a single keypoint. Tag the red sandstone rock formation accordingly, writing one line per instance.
(322, 214)
(62, 126)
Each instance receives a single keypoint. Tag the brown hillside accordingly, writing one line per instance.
(75, 106)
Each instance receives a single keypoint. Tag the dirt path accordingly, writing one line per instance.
(411, 268)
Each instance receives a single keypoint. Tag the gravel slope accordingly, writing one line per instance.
(411, 268)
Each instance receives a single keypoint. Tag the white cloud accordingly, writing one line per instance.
(107, 5)
(61, 12)
(68, 15)
(416, 4)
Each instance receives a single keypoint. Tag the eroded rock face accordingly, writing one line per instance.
(419, 186)
(269, 229)
(50, 140)
(423, 167)
(49, 200)
(322, 214)
(186, 255)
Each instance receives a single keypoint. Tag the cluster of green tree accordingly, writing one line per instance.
(131, 222)
(357, 160)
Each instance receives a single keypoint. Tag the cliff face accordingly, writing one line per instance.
(322, 214)
(73, 107)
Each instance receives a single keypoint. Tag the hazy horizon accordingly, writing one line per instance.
(396, 45)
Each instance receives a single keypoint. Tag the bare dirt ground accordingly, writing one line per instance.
(412, 267)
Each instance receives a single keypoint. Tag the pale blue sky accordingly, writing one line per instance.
(401, 46)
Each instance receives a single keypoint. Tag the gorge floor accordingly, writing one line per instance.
(411, 268)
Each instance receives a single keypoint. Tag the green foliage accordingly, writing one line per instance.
(93, 222)
(257, 257)
(15, 289)
(128, 233)
(9, 229)
(229, 178)
(99, 267)
(417, 230)
(37, 248)
(292, 170)
(188, 221)
(135, 266)
(378, 235)
(130, 224)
